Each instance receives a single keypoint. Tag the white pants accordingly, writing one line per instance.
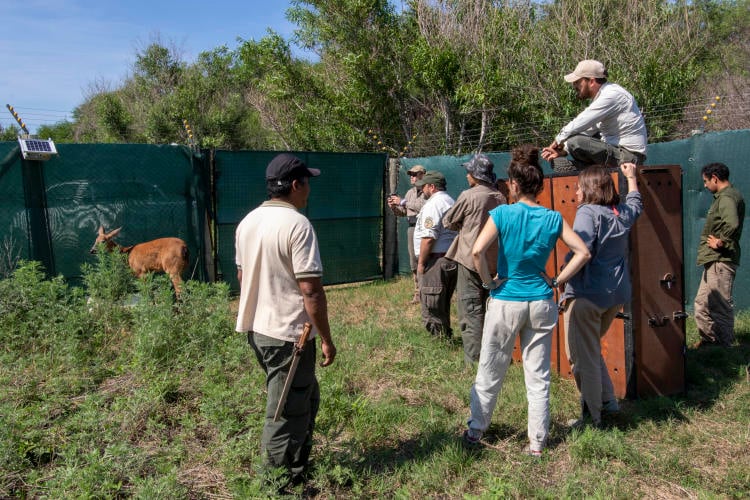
(502, 322)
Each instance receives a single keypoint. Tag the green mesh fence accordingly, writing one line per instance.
(15, 240)
(149, 191)
(50, 211)
(731, 148)
(345, 207)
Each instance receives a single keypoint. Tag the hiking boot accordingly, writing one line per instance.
(562, 164)
(704, 343)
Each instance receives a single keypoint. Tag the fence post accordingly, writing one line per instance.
(36, 208)
(390, 225)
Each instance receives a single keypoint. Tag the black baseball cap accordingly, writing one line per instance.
(287, 165)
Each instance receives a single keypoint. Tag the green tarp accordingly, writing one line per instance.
(345, 207)
(149, 191)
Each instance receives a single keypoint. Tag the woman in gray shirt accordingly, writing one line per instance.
(593, 296)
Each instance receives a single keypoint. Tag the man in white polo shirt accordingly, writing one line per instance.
(279, 270)
(435, 273)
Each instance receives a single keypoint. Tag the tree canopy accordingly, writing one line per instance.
(435, 77)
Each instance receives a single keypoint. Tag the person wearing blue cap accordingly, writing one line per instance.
(467, 216)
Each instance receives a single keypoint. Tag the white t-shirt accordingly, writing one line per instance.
(430, 223)
(275, 245)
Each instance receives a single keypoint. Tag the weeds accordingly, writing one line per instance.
(133, 393)
(10, 256)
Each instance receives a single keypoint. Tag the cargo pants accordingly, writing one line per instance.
(714, 307)
(288, 442)
(436, 287)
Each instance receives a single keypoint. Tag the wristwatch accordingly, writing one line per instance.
(553, 283)
(489, 286)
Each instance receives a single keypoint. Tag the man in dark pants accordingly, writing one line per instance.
(436, 274)
(279, 270)
(467, 216)
(719, 254)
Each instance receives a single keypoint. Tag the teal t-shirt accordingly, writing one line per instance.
(526, 238)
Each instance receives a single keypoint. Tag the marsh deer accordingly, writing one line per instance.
(168, 255)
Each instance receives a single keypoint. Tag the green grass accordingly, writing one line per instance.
(164, 400)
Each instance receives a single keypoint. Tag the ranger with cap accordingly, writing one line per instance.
(280, 275)
(409, 207)
(610, 131)
(467, 216)
(436, 274)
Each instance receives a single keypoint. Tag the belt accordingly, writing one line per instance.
(412, 224)
(434, 255)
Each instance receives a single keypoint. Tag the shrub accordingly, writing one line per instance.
(183, 333)
(110, 279)
(34, 311)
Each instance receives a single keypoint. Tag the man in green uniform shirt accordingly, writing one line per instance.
(719, 254)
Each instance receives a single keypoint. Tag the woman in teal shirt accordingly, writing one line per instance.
(521, 297)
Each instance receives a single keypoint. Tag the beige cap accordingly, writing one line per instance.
(416, 169)
(588, 68)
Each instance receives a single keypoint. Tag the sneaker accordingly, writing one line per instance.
(532, 453)
(415, 299)
(610, 407)
(562, 164)
(472, 437)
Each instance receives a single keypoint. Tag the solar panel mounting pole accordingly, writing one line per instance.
(18, 118)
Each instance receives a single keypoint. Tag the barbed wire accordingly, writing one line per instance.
(35, 117)
(683, 117)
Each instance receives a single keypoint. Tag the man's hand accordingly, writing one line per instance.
(553, 151)
(394, 200)
(329, 352)
(714, 242)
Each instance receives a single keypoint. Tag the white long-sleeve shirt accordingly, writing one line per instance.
(614, 113)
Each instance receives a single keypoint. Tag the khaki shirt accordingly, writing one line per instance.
(412, 203)
(468, 216)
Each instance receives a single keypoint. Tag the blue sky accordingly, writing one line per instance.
(52, 51)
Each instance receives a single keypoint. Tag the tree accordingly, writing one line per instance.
(60, 132)
(439, 76)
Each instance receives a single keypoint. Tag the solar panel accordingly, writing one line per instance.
(35, 145)
(37, 149)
